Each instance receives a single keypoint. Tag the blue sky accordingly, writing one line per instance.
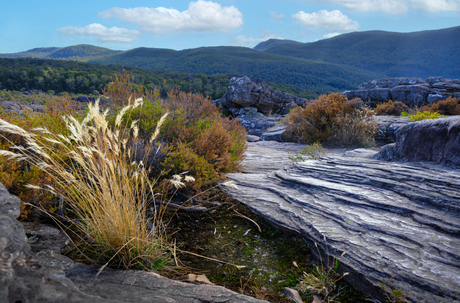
(183, 24)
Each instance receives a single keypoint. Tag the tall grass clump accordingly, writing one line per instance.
(93, 168)
(332, 119)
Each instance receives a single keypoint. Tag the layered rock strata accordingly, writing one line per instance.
(398, 220)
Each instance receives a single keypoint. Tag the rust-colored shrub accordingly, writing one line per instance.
(391, 108)
(449, 107)
(330, 119)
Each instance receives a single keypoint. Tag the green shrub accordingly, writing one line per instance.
(332, 119)
(391, 108)
(314, 151)
(422, 116)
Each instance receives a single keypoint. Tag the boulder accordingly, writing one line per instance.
(435, 140)
(242, 92)
(255, 122)
(412, 95)
(391, 219)
(32, 270)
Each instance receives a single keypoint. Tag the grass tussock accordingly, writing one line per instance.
(92, 167)
(332, 119)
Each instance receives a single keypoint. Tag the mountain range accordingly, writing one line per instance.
(334, 64)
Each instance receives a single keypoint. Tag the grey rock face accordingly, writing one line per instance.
(391, 219)
(242, 92)
(435, 140)
(411, 91)
(255, 122)
(36, 272)
(19, 108)
(387, 127)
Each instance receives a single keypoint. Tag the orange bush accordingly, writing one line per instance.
(326, 118)
(391, 108)
(449, 106)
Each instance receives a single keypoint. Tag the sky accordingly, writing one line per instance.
(184, 24)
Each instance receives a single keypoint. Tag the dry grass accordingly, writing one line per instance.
(105, 190)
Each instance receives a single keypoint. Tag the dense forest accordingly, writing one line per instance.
(58, 76)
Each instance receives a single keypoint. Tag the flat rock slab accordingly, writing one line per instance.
(391, 219)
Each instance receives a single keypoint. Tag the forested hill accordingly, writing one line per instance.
(417, 54)
(81, 52)
(302, 73)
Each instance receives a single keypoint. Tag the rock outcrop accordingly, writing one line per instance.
(32, 270)
(429, 140)
(411, 91)
(242, 92)
(390, 218)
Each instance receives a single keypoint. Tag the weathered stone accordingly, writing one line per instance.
(435, 97)
(411, 91)
(410, 94)
(435, 140)
(379, 95)
(242, 92)
(252, 138)
(256, 123)
(274, 133)
(387, 127)
(391, 219)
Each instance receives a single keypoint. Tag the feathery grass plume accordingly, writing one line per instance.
(107, 195)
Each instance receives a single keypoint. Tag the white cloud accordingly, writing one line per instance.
(333, 20)
(397, 7)
(276, 16)
(436, 6)
(103, 34)
(242, 40)
(330, 35)
(200, 16)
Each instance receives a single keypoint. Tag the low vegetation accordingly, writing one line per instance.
(333, 120)
(93, 169)
(419, 116)
(391, 108)
(448, 107)
(313, 151)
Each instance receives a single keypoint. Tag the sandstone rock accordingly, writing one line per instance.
(387, 127)
(255, 122)
(412, 95)
(242, 92)
(379, 95)
(411, 91)
(435, 140)
(435, 97)
(391, 219)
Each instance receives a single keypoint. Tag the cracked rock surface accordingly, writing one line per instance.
(391, 219)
